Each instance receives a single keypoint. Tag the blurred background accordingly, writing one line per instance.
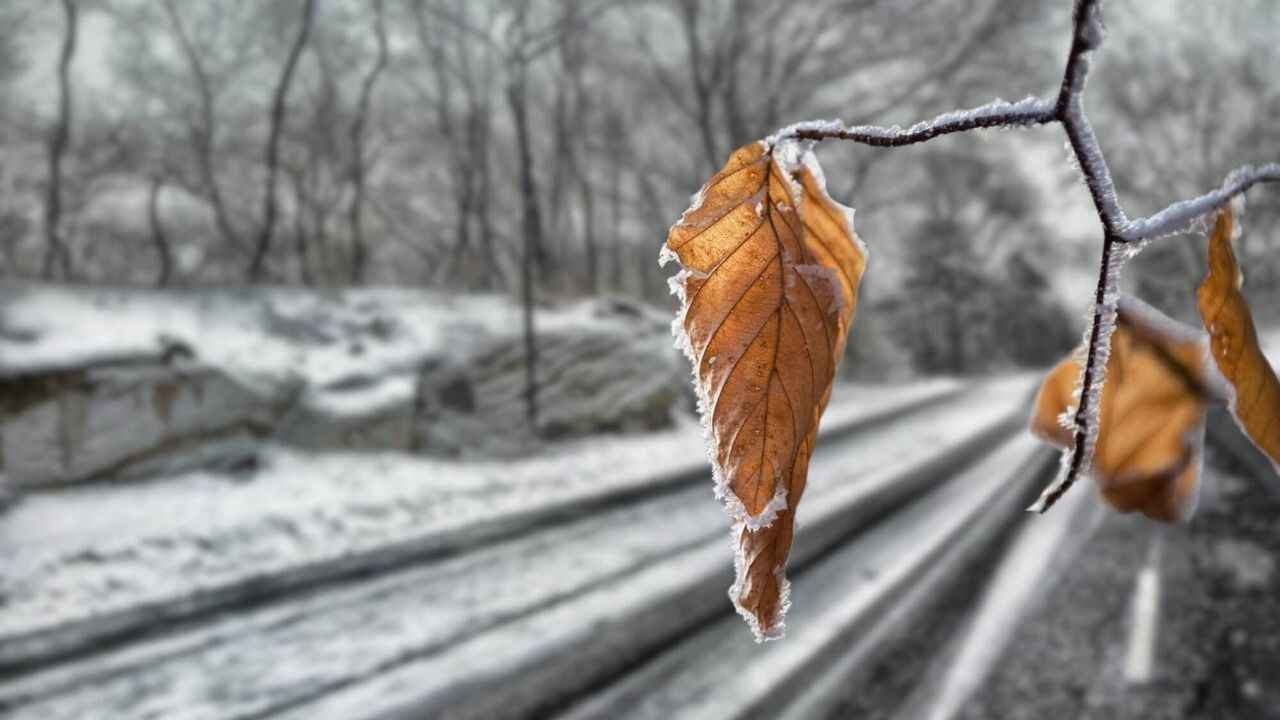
(336, 378)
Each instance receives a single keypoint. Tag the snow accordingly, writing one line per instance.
(550, 651)
(86, 552)
(840, 600)
(375, 338)
(482, 612)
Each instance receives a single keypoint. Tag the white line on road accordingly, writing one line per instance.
(1139, 663)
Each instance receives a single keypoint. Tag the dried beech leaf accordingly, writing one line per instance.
(1151, 417)
(1233, 340)
(769, 281)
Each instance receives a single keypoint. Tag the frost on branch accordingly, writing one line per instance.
(1150, 425)
(997, 113)
(768, 282)
(1180, 215)
(1095, 351)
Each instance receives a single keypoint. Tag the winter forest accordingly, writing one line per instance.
(337, 375)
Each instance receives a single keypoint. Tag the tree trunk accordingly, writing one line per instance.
(359, 252)
(299, 229)
(55, 243)
(158, 236)
(272, 156)
(532, 221)
(203, 136)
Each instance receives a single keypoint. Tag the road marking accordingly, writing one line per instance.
(1139, 664)
(1032, 564)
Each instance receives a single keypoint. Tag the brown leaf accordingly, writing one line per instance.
(1151, 418)
(769, 281)
(1233, 340)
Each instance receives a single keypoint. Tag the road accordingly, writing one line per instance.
(920, 589)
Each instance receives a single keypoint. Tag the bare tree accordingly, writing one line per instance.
(531, 225)
(203, 132)
(450, 39)
(358, 170)
(55, 244)
(158, 236)
(262, 246)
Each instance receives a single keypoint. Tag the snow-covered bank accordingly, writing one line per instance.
(85, 553)
(108, 383)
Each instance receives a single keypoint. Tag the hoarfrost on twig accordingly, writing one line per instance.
(1122, 238)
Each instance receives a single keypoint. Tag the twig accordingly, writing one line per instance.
(1179, 215)
(1067, 109)
(998, 113)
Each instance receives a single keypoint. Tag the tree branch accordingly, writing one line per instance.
(1068, 111)
(59, 138)
(998, 113)
(1180, 215)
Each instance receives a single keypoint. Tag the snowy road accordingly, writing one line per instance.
(592, 585)
(836, 606)
(99, 562)
(581, 597)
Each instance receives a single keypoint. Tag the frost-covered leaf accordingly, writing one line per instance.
(1151, 417)
(769, 281)
(1255, 391)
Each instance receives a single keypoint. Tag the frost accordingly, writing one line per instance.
(824, 127)
(1180, 215)
(695, 202)
(1102, 315)
(1023, 112)
(764, 518)
(706, 406)
(666, 255)
(777, 624)
(1094, 31)
(810, 162)
(789, 154)
(1028, 111)
(1093, 165)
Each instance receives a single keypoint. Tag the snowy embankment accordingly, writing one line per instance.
(499, 629)
(209, 520)
(100, 559)
(111, 383)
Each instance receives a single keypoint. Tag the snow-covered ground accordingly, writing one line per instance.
(435, 627)
(109, 383)
(330, 343)
(271, 334)
(81, 553)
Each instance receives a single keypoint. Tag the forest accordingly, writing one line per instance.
(452, 145)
